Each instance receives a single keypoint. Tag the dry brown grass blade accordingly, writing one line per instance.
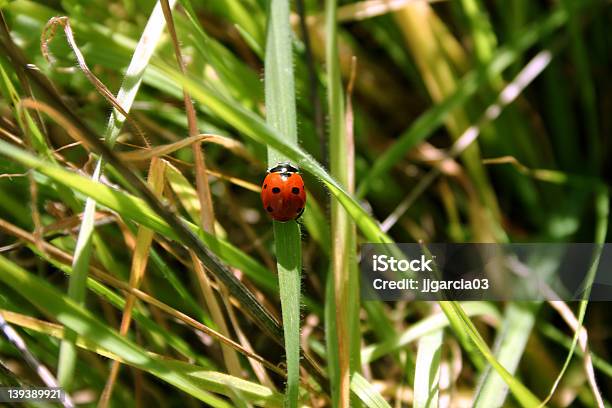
(41, 370)
(510, 92)
(59, 118)
(106, 278)
(38, 227)
(145, 154)
(140, 259)
(350, 128)
(343, 231)
(257, 367)
(583, 340)
(229, 356)
(237, 181)
(207, 216)
(48, 33)
(52, 329)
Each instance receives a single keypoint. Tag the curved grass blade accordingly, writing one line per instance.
(137, 210)
(366, 393)
(131, 84)
(455, 314)
(602, 208)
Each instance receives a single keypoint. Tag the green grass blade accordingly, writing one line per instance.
(427, 372)
(281, 115)
(559, 337)
(455, 314)
(512, 338)
(366, 392)
(345, 289)
(586, 88)
(602, 209)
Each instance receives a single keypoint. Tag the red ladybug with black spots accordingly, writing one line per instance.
(282, 194)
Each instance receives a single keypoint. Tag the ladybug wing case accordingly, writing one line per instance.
(283, 196)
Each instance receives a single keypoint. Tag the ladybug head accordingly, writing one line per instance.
(284, 167)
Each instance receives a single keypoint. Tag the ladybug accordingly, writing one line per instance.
(282, 194)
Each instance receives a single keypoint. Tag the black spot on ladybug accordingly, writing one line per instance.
(265, 186)
(276, 190)
(270, 209)
(295, 190)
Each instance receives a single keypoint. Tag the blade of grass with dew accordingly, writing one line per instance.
(342, 238)
(133, 78)
(427, 371)
(281, 115)
(367, 393)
